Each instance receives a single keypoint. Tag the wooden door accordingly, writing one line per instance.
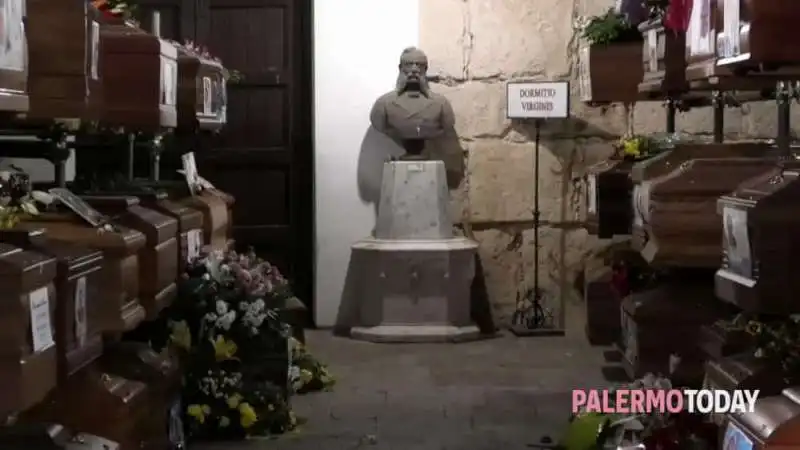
(263, 156)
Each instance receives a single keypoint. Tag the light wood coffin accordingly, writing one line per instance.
(158, 259)
(27, 308)
(761, 244)
(202, 97)
(14, 59)
(79, 297)
(684, 229)
(64, 49)
(645, 174)
(121, 310)
(140, 78)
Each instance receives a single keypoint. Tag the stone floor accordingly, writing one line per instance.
(495, 394)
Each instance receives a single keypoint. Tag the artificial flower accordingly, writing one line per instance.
(181, 336)
(224, 421)
(247, 415)
(198, 412)
(224, 349)
(234, 401)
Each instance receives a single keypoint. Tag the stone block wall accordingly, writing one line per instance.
(474, 47)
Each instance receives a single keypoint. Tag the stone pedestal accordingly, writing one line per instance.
(413, 283)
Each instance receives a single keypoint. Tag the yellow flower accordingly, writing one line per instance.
(247, 415)
(234, 400)
(224, 422)
(270, 407)
(306, 376)
(224, 349)
(199, 412)
(181, 336)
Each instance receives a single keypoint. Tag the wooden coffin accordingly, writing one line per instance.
(665, 322)
(608, 199)
(160, 372)
(140, 76)
(742, 371)
(720, 340)
(757, 32)
(773, 425)
(64, 56)
(14, 59)
(78, 297)
(99, 403)
(158, 259)
(645, 174)
(759, 220)
(610, 73)
(602, 302)
(201, 92)
(664, 57)
(28, 352)
(121, 310)
(685, 230)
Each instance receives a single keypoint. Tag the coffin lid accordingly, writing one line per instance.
(117, 202)
(610, 165)
(669, 160)
(769, 422)
(710, 177)
(36, 239)
(190, 57)
(654, 304)
(121, 39)
(31, 269)
(778, 188)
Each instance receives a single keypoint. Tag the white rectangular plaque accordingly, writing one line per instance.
(194, 243)
(537, 100)
(208, 97)
(736, 241)
(731, 27)
(41, 325)
(95, 50)
(591, 194)
(584, 75)
(13, 43)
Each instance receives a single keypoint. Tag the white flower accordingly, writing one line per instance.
(206, 277)
(210, 317)
(222, 307)
(225, 321)
(259, 305)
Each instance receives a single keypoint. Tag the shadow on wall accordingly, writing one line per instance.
(376, 149)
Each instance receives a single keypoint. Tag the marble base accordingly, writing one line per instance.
(397, 334)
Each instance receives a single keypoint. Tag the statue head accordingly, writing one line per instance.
(413, 68)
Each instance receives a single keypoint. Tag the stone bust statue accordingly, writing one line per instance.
(411, 113)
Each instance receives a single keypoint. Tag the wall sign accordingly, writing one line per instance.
(537, 100)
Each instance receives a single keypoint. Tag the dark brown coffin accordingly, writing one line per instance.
(666, 321)
(602, 302)
(664, 57)
(79, 297)
(140, 78)
(685, 230)
(102, 404)
(158, 268)
(760, 32)
(121, 310)
(608, 199)
(648, 172)
(610, 73)
(202, 98)
(27, 365)
(14, 70)
(64, 51)
(760, 221)
(719, 340)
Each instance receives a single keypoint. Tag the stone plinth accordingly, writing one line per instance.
(414, 278)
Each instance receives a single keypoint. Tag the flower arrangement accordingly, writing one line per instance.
(117, 9)
(241, 363)
(195, 49)
(610, 28)
(636, 148)
(17, 200)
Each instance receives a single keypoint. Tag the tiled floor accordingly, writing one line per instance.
(495, 394)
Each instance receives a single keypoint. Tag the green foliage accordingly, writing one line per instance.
(610, 28)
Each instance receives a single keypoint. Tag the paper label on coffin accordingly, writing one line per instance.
(731, 29)
(190, 171)
(194, 243)
(81, 322)
(735, 439)
(629, 337)
(591, 194)
(652, 50)
(736, 242)
(41, 326)
(95, 51)
(13, 51)
(584, 75)
(641, 204)
(84, 441)
(169, 80)
(208, 97)
(700, 38)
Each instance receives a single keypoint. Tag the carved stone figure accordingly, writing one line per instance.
(411, 113)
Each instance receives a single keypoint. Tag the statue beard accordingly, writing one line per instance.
(414, 88)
